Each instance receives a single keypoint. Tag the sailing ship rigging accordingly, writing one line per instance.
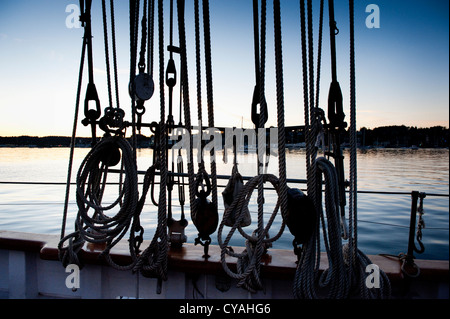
(307, 216)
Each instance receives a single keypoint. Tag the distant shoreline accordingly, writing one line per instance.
(381, 137)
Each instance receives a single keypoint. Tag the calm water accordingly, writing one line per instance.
(383, 219)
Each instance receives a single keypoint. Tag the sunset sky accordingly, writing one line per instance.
(402, 67)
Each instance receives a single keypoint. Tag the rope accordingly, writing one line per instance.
(91, 179)
(319, 53)
(356, 260)
(72, 140)
(186, 103)
(204, 213)
(307, 100)
(153, 260)
(198, 68)
(209, 94)
(335, 278)
(309, 260)
(150, 41)
(347, 264)
(105, 36)
(236, 215)
(253, 282)
(280, 109)
(113, 34)
(248, 274)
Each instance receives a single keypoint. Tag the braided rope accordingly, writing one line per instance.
(153, 260)
(210, 94)
(186, 103)
(249, 260)
(91, 178)
(280, 109)
(72, 140)
(105, 35)
(114, 51)
(335, 278)
(357, 260)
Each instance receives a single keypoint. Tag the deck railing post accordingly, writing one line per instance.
(412, 224)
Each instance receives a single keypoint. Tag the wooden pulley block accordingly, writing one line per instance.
(144, 87)
(231, 192)
(111, 155)
(301, 215)
(206, 217)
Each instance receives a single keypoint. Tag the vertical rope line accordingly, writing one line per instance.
(261, 142)
(72, 140)
(151, 31)
(113, 34)
(162, 218)
(305, 90)
(311, 62)
(186, 104)
(144, 24)
(319, 53)
(134, 22)
(210, 94)
(280, 108)
(105, 34)
(353, 153)
(201, 164)
(313, 124)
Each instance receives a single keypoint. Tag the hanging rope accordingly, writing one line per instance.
(280, 109)
(113, 117)
(72, 140)
(98, 227)
(204, 212)
(357, 261)
(346, 272)
(153, 260)
(186, 103)
(248, 274)
(249, 261)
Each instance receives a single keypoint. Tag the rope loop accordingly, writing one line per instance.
(256, 244)
(97, 227)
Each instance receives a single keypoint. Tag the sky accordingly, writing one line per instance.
(402, 67)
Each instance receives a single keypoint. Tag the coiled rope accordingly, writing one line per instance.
(98, 227)
(248, 263)
(346, 274)
(249, 260)
(153, 260)
(335, 278)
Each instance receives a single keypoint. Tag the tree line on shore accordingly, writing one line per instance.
(387, 136)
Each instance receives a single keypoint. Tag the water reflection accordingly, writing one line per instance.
(39, 208)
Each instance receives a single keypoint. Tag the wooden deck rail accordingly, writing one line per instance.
(277, 264)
